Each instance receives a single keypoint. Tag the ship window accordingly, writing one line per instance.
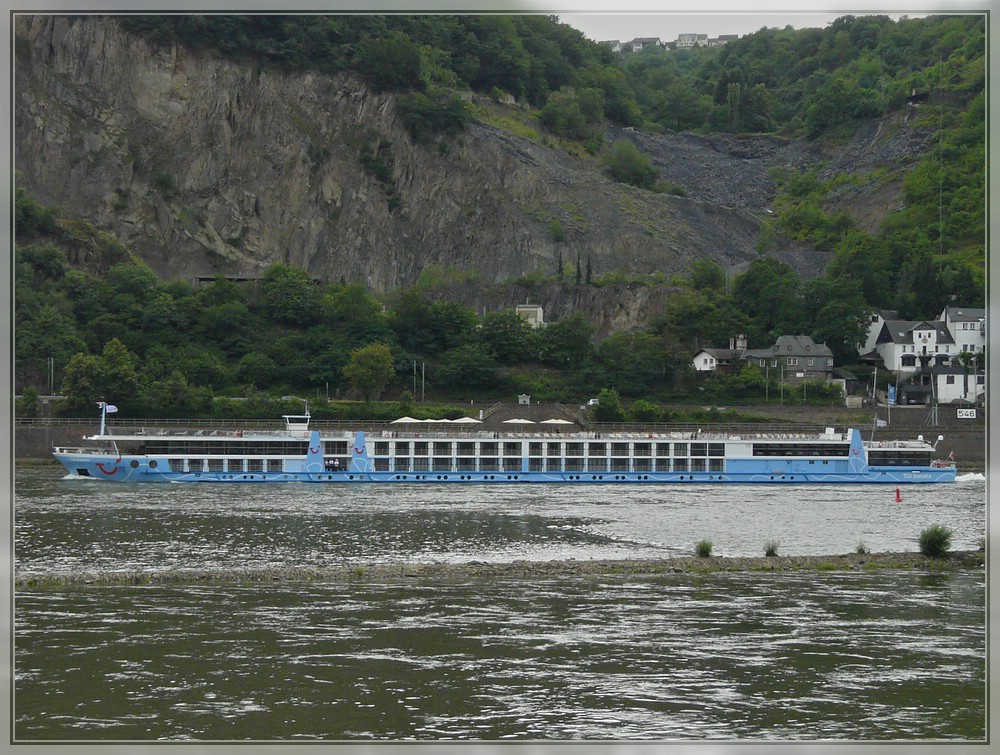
(335, 447)
(215, 465)
(716, 449)
(680, 465)
(402, 448)
(420, 448)
(512, 463)
(489, 449)
(680, 449)
(643, 449)
(554, 449)
(716, 465)
(574, 465)
(619, 449)
(697, 465)
(381, 448)
(535, 449)
(597, 449)
(381, 465)
(619, 465)
(597, 465)
(643, 465)
(489, 464)
(699, 449)
(574, 449)
(467, 464)
(275, 465)
(402, 464)
(234, 465)
(466, 448)
(553, 464)
(442, 464)
(255, 465)
(421, 465)
(512, 448)
(535, 464)
(442, 449)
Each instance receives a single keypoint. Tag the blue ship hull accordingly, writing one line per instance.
(122, 472)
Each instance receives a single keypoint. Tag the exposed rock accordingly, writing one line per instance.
(204, 166)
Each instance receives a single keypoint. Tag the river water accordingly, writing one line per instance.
(891, 655)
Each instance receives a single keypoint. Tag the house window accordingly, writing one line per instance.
(792, 361)
(949, 380)
(980, 379)
(810, 362)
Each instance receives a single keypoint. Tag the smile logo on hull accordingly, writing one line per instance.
(113, 470)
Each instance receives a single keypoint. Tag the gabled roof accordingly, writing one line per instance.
(901, 331)
(721, 355)
(799, 346)
(964, 314)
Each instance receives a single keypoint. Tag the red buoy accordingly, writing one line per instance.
(899, 498)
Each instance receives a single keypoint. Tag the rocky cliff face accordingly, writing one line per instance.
(204, 166)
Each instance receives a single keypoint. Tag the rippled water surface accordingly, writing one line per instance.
(878, 656)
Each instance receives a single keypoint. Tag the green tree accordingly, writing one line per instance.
(707, 275)
(768, 294)
(467, 366)
(370, 369)
(609, 407)
(630, 166)
(113, 376)
(288, 295)
(508, 337)
(566, 342)
(391, 63)
(631, 363)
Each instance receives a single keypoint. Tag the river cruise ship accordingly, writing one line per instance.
(453, 453)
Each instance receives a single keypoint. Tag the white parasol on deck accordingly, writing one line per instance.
(518, 421)
(556, 422)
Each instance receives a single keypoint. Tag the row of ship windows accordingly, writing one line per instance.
(447, 464)
(472, 448)
(547, 464)
(225, 465)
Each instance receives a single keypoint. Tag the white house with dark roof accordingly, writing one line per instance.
(946, 384)
(711, 359)
(691, 40)
(640, 43)
(911, 345)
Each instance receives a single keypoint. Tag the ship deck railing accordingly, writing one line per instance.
(250, 429)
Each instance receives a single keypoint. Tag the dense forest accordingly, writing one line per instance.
(168, 349)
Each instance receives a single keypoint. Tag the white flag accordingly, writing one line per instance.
(110, 408)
